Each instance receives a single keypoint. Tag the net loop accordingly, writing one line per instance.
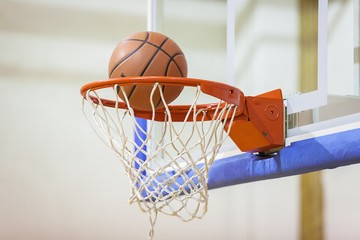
(152, 220)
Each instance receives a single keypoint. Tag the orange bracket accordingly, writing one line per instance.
(261, 126)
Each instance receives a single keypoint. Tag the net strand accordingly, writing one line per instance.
(152, 220)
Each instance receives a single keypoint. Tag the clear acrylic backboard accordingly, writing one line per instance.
(309, 49)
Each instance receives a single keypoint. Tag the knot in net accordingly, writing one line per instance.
(168, 160)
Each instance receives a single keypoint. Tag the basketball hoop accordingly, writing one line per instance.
(168, 166)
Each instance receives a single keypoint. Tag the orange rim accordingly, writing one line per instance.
(218, 90)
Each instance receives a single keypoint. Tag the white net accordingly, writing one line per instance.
(167, 162)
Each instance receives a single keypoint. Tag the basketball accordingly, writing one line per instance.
(148, 54)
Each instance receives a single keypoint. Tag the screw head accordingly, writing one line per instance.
(272, 112)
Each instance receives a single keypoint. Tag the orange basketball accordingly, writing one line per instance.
(148, 54)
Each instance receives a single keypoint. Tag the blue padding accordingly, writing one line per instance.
(139, 141)
(140, 138)
(305, 156)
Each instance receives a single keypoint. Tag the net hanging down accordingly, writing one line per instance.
(168, 165)
(168, 162)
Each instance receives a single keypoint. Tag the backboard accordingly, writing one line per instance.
(309, 49)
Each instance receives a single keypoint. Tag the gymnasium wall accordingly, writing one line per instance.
(58, 181)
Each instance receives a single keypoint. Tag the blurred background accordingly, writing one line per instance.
(57, 179)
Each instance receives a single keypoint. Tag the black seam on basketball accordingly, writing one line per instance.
(154, 45)
(172, 59)
(135, 39)
(153, 56)
(131, 92)
(168, 66)
(130, 54)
